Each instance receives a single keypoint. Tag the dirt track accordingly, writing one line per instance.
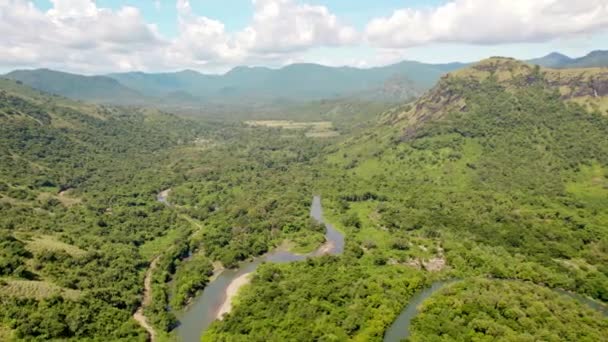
(139, 314)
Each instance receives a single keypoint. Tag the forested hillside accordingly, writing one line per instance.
(500, 173)
(77, 195)
(100, 89)
(81, 222)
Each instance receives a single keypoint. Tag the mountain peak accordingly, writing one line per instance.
(596, 53)
(503, 68)
(556, 55)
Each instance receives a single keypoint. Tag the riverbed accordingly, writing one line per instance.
(215, 298)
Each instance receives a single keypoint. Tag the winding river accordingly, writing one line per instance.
(205, 308)
(400, 329)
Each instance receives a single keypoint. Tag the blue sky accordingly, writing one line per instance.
(236, 14)
(119, 35)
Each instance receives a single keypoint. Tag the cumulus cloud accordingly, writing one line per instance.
(82, 36)
(278, 29)
(488, 22)
(75, 33)
(284, 26)
(202, 40)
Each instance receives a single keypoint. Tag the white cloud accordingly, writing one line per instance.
(82, 36)
(202, 40)
(488, 22)
(77, 34)
(279, 29)
(284, 26)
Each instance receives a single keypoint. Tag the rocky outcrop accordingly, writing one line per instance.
(581, 85)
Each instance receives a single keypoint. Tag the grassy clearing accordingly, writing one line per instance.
(288, 124)
(314, 129)
(42, 243)
(591, 186)
(304, 242)
(154, 247)
(377, 241)
(6, 334)
(35, 289)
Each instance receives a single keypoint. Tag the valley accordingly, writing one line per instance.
(338, 221)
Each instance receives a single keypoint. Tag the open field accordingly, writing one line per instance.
(314, 129)
(34, 289)
(51, 243)
(154, 247)
(322, 134)
(288, 124)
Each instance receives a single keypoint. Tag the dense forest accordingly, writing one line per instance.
(495, 177)
(491, 310)
(77, 196)
(81, 222)
(509, 182)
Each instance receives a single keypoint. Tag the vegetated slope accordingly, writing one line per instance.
(80, 219)
(588, 87)
(77, 198)
(593, 59)
(521, 312)
(497, 172)
(91, 88)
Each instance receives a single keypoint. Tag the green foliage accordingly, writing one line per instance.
(190, 277)
(108, 159)
(494, 310)
(319, 299)
(13, 256)
(253, 192)
(89, 318)
(352, 220)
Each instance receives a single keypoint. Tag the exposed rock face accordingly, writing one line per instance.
(600, 85)
(585, 83)
(581, 85)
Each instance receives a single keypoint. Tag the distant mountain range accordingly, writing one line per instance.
(293, 83)
(557, 60)
(259, 85)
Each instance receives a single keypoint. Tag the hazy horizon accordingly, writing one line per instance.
(105, 36)
(284, 66)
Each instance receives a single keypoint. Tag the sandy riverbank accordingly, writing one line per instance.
(231, 292)
(325, 249)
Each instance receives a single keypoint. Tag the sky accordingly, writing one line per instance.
(104, 36)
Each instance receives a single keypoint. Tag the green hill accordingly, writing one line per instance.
(586, 86)
(77, 198)
(90, 88)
